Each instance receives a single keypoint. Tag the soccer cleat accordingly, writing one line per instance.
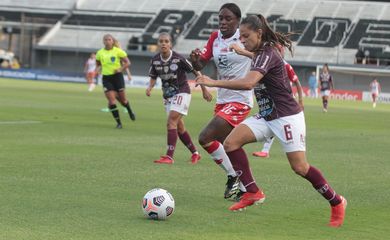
(231, 186)
(325, 110)
(132, 115)
(165, 160)
(119, 126)
(238, 196)
(248, 199)
(338, 213)
(261, 154)
(195, 158)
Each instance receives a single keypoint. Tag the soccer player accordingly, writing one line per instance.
(232, 106)
(113, 61)
(90, 71)
(171, 68)
(326, 86)
(279, 115)
(375, 88)
(293, 80)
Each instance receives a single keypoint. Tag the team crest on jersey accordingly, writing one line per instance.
(112, 59)
(166, 69)
(173, 67)
(222, 61)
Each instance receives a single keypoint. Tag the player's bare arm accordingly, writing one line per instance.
(152, 82)
(246, 83)
(241, 51)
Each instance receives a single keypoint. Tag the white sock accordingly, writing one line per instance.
(268, 144)
(221, 158)
(242, 187)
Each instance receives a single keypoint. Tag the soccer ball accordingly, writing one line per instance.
(158, 204)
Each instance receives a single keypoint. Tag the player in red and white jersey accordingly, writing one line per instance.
(375, 89)
(232, 106)
(90, 71)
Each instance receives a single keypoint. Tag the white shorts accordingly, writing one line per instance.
(290, 130)
(325, 93)
(179, 103)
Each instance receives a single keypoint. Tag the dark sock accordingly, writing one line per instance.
(321, 185)
(186, 140)
(127, 106)
(115, 113)
(325, 103)
(171, 142)
(240, 163)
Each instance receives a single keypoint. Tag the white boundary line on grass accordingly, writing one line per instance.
(18, 122)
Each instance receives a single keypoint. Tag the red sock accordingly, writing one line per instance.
(186, 140)
(240, 163)
(321, 185)
(171, 142)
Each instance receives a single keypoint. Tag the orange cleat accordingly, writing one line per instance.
(165, 160)
(261, 154)
(195, 158)
(248, 199)
(338, 213)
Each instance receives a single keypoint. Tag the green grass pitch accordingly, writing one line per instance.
(67, 173)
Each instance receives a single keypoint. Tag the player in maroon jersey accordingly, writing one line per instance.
(326, 86)
(232, 106)
(279, 115)
(292, 76)
(171, 67)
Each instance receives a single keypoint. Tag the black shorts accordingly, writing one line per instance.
(114, 82)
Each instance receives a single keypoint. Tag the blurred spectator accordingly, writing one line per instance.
(313, 85)
(5, 63)
(15, 63)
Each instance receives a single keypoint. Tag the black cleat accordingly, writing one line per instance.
(119, 126)
(132, 115)
(231, 186)
(238, 196)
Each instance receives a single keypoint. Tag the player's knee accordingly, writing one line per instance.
(171, 125)
(300, 169)
(230, 145)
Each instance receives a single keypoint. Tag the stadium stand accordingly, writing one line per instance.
(95, 19)
(29, 5)
(327, 30)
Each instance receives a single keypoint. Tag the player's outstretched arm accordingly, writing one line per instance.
(241, 51)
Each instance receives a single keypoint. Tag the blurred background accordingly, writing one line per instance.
(353, 37)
